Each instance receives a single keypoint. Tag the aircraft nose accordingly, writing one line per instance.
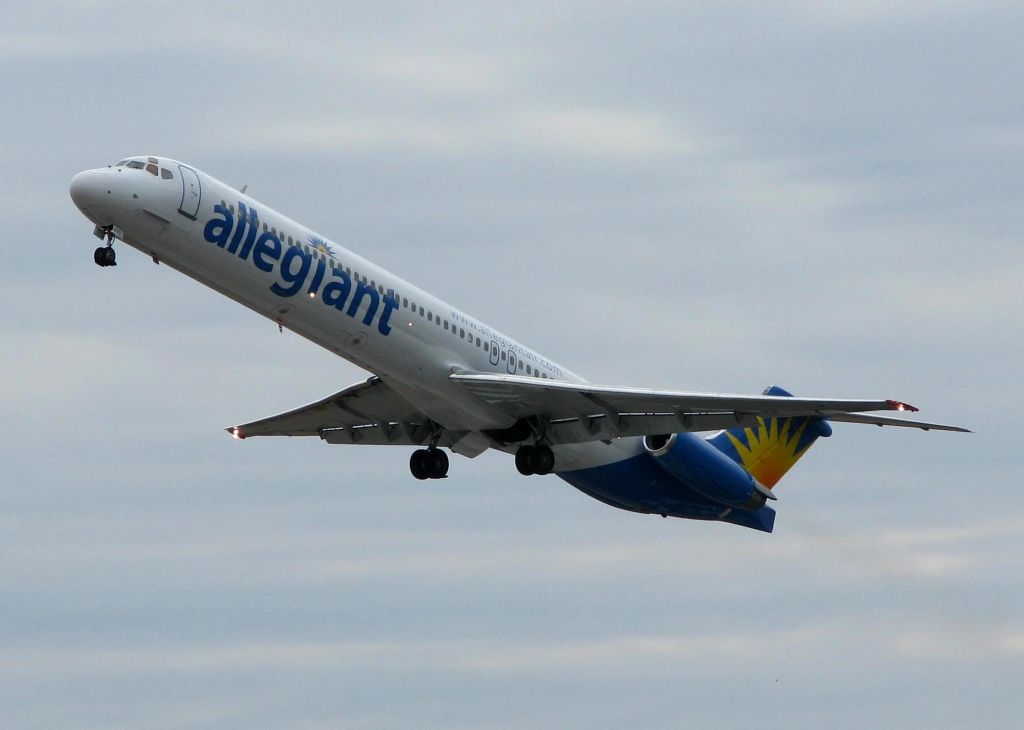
(86, 189)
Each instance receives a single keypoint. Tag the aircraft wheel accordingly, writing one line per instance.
(525, 459)
(438, 461)
(543, 459)
(418, 464)
(105, 256)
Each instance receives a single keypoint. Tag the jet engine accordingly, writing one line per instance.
(705, 469)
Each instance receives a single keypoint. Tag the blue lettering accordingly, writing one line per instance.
(362, 290)
(390, 305)
(267, 245)
(336, 292)
(218, 229)
(250, 237)
(318, 277)
(237, 238)
(294, 267)
(291, 277)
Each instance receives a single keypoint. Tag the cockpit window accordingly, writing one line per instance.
(166, 174)
(122, 163)
(152, 169)
(134, 164)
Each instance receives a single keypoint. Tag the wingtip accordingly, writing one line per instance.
(902, 407)
(235, 432)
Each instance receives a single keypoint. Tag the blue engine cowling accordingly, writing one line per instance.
(705, 469)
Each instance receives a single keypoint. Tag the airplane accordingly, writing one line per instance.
(442, 379)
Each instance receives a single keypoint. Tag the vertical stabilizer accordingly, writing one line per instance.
(771, 448)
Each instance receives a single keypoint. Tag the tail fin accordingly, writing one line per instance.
(771, 449)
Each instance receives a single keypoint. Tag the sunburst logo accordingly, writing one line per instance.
(320, 244)
(771, 449)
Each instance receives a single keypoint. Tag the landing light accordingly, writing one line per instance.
(312, 295)
(236, 433)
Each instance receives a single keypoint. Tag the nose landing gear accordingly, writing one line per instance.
(104, 255)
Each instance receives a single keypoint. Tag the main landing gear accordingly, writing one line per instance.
(539, 459)
(104, 255)
(429, 463)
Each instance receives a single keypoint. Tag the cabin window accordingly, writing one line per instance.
(430, 316)
(446, 324)
(478, 342)
(462, 333)
(421, 311)
(405, 302)
(503, 355)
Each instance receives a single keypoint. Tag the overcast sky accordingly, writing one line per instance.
(715, 197)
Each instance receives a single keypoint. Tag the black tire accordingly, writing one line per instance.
(99, 257)
(543, 459)
(525, 459)
(438, 461)
(109, 257)
(418, 464)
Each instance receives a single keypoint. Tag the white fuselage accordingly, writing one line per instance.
(320, 290)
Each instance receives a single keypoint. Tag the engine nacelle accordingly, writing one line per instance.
(706, 470)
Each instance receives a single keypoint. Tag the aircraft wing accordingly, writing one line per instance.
(576, 413)
(370, 413)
